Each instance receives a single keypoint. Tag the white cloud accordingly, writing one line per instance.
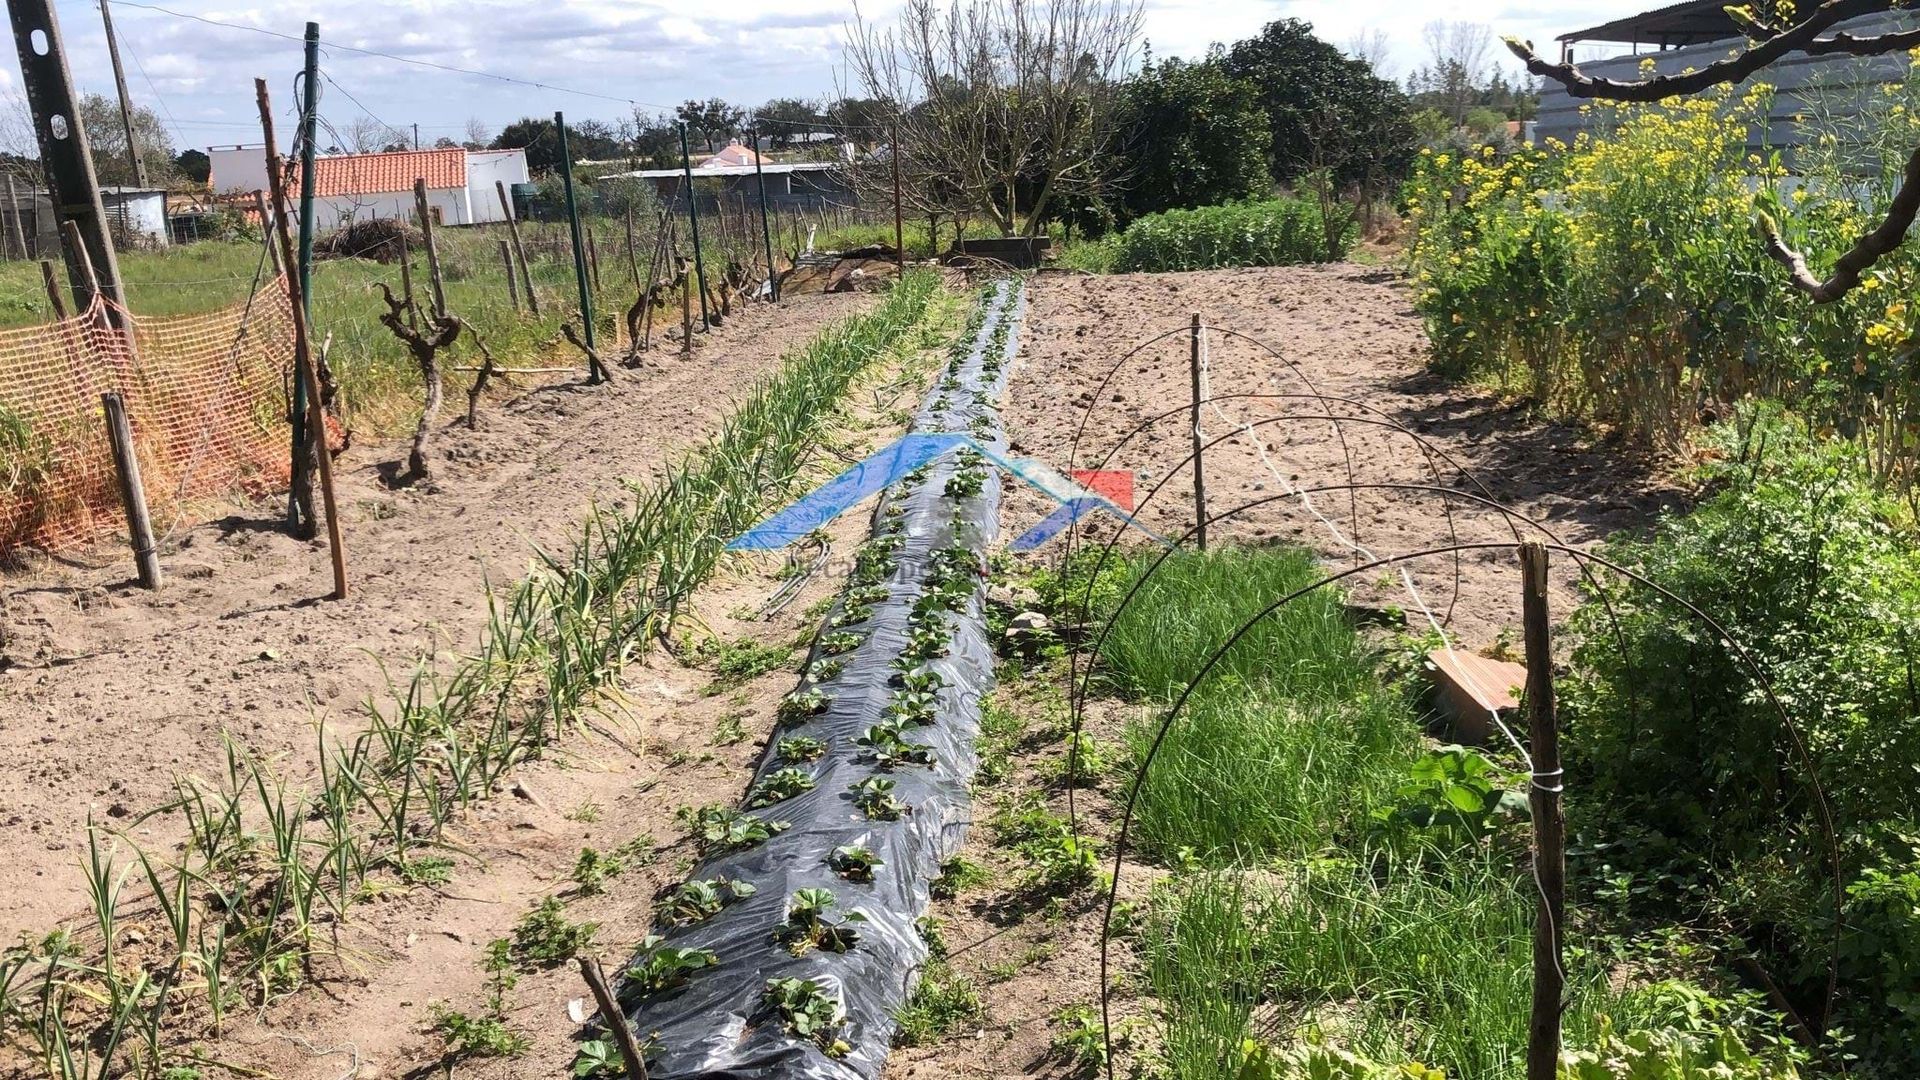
(747, 51)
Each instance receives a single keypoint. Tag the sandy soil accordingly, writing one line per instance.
(108, 692)
(1344, 331)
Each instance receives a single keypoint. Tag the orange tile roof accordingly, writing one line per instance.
(371, 174)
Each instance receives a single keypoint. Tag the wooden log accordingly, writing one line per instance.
(433, 253)
(133, 495)
(615, 1020)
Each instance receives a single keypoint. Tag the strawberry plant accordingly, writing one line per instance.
(854, 862)
(924, 643)
(887, 747)
(838, 642)
(799, 706)
(824, 670)
(546, 936)
(851, 615)
(598, 1058)
(779, 786)
(810, 924)
(920, 680)
(867, 595)
(874, 798)
(909, 707)
(800, 748)
(697, 901)
(665, 968)
(808, 1010)
(721, 828)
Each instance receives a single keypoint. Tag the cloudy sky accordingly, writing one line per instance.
(199, 77)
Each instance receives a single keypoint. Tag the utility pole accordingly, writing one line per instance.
(64, 154)
(126, 102)
(766, 232)
(416, 136)
(693, 215)
(300, 518)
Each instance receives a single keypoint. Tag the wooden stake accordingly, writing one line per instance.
(1549, 824)
(615, 1020)
(433, 253)
(686, 308)
(593, 259)
(133, 496)
(519, 249)
(302, 348)
(16, 229)
(52, 282)
(266, 228)
(406, 281)
(1199, 470)
(513, 290)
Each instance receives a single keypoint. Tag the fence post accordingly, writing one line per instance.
(506, 260)
(1199, 469)
(1549, 826)
(266, 229)
(519, 249)
(899, 229)
(579, 250)
(693, 217)
(406, 281)
(300, 517)
(593, 259)
(302, 344)
(53, 290)
(133, 496)
(766, 229)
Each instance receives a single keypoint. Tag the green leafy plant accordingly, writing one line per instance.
(957, 875)
(1454, 790)
(697, 901)
(873, 797)
(943, 1004)
(1080, 1037)
(780, 785)
(801, 706)
(597, 1059)
(807, 1010)
(800, 749)
(851, 615)
(924, 643)
(839, 642)
(853, 862)
(719, 828)
(824, 669)
(913, 706)
(886, 746)
(547, 936)
(665, 968)
(811, 925)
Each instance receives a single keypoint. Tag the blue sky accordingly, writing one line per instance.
(200, 78)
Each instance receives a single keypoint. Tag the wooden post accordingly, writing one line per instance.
(766, 228)
(302, 521)
(1549, 824)
(1199, 469)
(302, 346)
(52, 283)
(899, 228)
(506, 260)
(686, 308)
(519, 250)
(133, 496)
(615, 1020)
(16, 229)
(593, 259)
(633, 257)
(406, 281)
(433, 253)
(266, 228)
(693, 218)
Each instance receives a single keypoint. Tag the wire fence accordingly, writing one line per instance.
(206, 396)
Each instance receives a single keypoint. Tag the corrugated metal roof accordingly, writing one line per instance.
(1693, 22)
(734, 170)
(373, 174)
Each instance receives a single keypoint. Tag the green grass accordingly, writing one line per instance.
(380, 385)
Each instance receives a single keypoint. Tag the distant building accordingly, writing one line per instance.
(810, 185)
(735, 154)
(359, 187)
(1695, 34)
(136, 217)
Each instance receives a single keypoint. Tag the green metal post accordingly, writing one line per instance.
(573, 224)
(766, 231)
(693, 215)
(300, 517)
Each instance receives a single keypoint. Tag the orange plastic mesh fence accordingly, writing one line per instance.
(206, 397)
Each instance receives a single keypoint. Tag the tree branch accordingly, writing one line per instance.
(1865, 251)
(1800, 37)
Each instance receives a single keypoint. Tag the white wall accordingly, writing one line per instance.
(333, 211)
(483, 168)
(238, 169)
(145, 213)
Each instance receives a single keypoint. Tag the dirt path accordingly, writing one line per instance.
(107, 692)
(1344, 331)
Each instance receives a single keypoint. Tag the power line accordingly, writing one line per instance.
(475, 72)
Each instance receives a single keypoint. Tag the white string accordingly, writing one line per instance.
(1406, 577)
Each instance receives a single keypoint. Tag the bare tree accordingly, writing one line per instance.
(478, 135)
(1458, 55)
(1374, 49)
(1004, 105)
(1768, 43)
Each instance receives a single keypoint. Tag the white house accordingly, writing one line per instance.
(359, 187)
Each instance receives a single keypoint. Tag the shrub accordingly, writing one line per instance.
(1679, 762)
(1279, 232)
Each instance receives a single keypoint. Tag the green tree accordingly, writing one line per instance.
(782, 121)
(1325, 110)
(1193, 136)
(108, 137)
(586, 140)
(710, 122)
(193, 165)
